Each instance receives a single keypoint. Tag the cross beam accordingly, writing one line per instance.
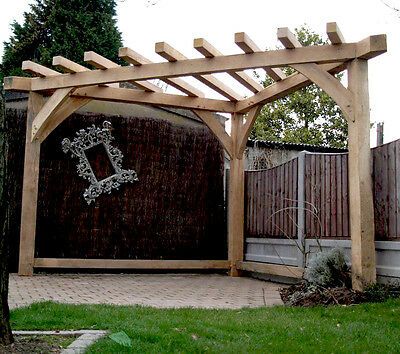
(366, 49)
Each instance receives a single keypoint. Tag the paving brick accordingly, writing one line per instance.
(157, 290)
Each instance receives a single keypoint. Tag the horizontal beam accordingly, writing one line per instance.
(154, 98)
(129, 263)
(17, 83)
(370, 47)
(271, 269)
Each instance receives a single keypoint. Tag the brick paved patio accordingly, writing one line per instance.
(158, 290)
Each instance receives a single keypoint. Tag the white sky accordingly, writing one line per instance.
(178, 22)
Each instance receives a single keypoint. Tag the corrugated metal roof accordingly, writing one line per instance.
(292, 146)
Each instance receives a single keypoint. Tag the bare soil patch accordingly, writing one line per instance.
(38, 344)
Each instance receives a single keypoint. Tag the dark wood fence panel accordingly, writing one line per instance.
(326, 198)
(273, 192)
(386, 174)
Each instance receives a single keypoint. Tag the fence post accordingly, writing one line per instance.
(301, 261)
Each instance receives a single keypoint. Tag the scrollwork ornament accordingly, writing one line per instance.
(86, 139)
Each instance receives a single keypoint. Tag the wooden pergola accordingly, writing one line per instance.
(78, 85)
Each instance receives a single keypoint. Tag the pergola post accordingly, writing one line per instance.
(360, 180)
(29, 189)
(236, 199)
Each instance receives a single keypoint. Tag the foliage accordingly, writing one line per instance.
(121, 338)
(62, 27)
(307, 116)
(365, 328)
(328, 269)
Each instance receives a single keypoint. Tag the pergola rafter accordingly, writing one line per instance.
(79, 85)
(172, 55)
(136, 59)
(205, 48)
(245, 43)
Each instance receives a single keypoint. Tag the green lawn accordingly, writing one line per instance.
(367, 328)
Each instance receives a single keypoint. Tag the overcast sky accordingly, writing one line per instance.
(178, 22)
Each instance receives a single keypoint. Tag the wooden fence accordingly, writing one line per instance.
(308, 196)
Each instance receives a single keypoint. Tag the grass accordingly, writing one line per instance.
(366, 328)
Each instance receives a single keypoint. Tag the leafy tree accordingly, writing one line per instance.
(307, 116)
(62, 27)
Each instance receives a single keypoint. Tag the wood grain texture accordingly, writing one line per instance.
(195, 67)
(29, 190)
(236, 200)
(72, 263)
(360, 181)
(271, 269)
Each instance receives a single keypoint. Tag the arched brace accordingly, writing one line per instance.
(71, 105)
(51, 106)
(245, 129)
(211, 121)
(332, 86)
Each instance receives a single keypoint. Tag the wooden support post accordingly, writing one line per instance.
(301, 210)
(236, 200)
(360, 179)
(29, 190)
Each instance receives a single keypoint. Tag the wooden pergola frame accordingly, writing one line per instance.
(79, 85)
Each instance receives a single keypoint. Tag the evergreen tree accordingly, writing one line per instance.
(62, 27)
(307, 116)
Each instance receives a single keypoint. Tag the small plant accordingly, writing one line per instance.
(328, 269)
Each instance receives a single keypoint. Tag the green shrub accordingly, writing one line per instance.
(328, 269)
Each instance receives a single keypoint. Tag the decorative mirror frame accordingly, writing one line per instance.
(91, 137)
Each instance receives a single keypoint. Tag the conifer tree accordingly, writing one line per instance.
(62, 27)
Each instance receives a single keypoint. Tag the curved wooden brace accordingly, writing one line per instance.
(332, 86)
(71, 105)
(48, 110)
(209, 119)
(245, 129)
